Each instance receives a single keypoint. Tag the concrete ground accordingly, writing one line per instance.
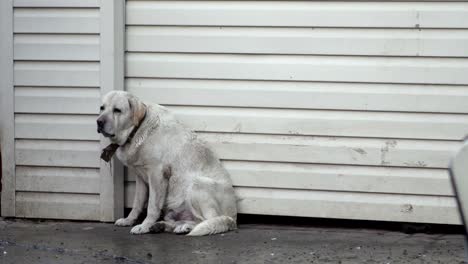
(26, 242)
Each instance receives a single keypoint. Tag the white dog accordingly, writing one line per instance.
(178, 176)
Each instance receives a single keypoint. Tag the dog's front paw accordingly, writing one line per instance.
(124, 222)
(140, 229)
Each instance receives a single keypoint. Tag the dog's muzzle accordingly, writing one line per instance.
(100, 128)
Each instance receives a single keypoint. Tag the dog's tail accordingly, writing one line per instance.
(219, 224)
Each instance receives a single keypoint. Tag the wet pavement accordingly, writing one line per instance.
(24, 242)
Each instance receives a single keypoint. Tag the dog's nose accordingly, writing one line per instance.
(100, 124)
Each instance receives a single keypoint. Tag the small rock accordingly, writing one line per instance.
(88, 228)
(4, 252)
(149, 255)
(274, 238)
(272, 254)
(358, 248)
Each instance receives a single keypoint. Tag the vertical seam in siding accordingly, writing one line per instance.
(7, 136)
(112, 78)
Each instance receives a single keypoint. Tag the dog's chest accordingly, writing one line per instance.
(122, 157)
(128, 158)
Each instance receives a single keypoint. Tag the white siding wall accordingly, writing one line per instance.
(321, 109)
(57, 80)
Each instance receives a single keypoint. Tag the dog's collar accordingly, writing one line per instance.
(110, 150)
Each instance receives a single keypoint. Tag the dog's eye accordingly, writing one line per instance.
(102, 108)
(116, 110)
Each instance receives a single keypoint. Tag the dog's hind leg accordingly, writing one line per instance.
(179, 227)
(178, 222)
(163, 226)
(184, 227)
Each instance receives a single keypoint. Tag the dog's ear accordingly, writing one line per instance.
(138, 109)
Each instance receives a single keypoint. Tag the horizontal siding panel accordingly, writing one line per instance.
(52, 179)
(40, 126)
(346, 205)
(362, 206)
(56, 47)
(57, 75)
(326, 123)
(298, 68)
(56, 3)
(34, 73)
(340, 178)
(56, 20)
(59, 100)
(326, 41)
(57, 153)
(336, 177)
(306, 95)
(57, 205)
(298, 14)
(332, 150)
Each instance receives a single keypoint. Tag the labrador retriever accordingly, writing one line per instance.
(177, 175)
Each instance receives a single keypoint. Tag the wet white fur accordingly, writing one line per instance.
(177, 174)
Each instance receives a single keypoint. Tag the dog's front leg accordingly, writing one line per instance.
(157, 194)
(139, 201)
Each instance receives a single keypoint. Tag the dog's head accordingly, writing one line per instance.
(120, 113)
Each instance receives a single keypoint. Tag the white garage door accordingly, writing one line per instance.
(321, 109)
